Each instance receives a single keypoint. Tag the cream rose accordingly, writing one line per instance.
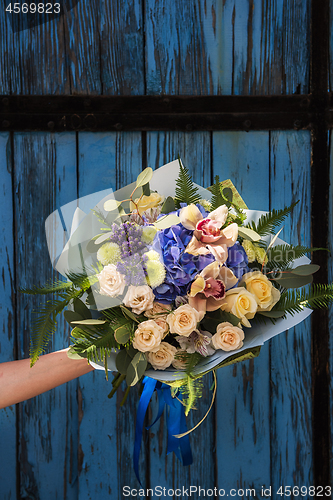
(184, 320)
(241, 303)
(139, 298)
(161, 358)
(111, 282)
(180, 360)
(228, 337)
(259, 285)
(148, 336)
(146, 202)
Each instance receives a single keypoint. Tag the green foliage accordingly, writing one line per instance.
(268, 223)
(48, 287)
(281, 256)
(191, 390)
(217, 199)
(186, 191)
(318, 296)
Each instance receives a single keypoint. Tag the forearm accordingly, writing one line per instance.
(19, 382)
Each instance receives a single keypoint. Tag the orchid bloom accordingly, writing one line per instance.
(208, 237)
(208, 289)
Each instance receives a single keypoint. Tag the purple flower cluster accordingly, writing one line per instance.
(181, 267)
(128, 237)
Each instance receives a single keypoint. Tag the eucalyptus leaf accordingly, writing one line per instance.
(123, 360)
(248, 234)
(168, 205)
(127, 313)
(71, 316)
(214, 318)
(227, 193)
(92, 247)
(90, 322)
(136, 368)
(111, 205)
(305, 270)
(122, 333)
(144, 177)
(146, 189)
(102, 238)
(290, 280)
(167, 221)
(81, 309)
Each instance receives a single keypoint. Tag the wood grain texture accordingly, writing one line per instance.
(106, 433)
(167, 471)
(45, 177)
(233, 47)
(330, 280)
(7, 318)
(291, 427)
(242, 406)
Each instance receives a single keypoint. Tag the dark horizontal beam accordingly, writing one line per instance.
(183, 113)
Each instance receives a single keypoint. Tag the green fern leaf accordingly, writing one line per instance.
(48, 287)
(186, 191)
(268, 223)
(191, 391)
(217, 199)
(317, 296)
(281, 256)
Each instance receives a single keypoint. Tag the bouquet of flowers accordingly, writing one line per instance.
(168, 280)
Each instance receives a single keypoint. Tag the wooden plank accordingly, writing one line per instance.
(106, 433)
(291, 428)
(105, 47)
(242, 403)
(235, 47)
(330, 280)
(194, 150)
(45, 178)
(7, 319)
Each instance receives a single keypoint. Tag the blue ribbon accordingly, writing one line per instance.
(176, 422)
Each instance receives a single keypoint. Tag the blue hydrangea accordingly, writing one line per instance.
(237, 260)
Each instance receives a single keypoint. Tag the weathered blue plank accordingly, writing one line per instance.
(242, 403)
(45, 177)
(194, 150)
(330, 280)
(291, 415)
(234, 47)
(106, 434)
(7, 319)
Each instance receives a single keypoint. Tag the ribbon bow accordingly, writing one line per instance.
(176, 422)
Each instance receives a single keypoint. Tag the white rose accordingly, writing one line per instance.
(259, 285)
(111, 281)
(228, 337)
(147, 336)
(181, 359)
(162, 358)
(139, 298)
(241, 303)
(184, 320)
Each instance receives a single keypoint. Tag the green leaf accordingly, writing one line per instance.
(102, 238)
(272, 314)
(146, 189)
(227, 194)
(186, 191)
(90, 322)
(268, 223)
(168, 205)
(72, 354)
(111, 205)
(167, 221)
(144, 177)
(81, 309)
(290, 280)
(241, 356)
(305, 270)
(48, 287)
(214, 318)
(248, 234)
(217, 199)
(72, 316)
(316, 296)
(127, 313)
(136, 368)
(123, 360)
(281, 256)
(122, 333)
(236, 200)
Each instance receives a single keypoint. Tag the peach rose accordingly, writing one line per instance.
(184, 320)
(228, 337)
(161, 358)
(259, 285)
(139, 298)
(111, 282)
(241, 303)
(148, 336)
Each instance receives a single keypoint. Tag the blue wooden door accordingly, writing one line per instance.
(73, 443)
